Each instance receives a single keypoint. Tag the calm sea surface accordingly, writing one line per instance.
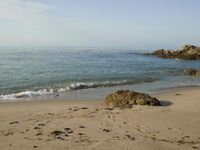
(29, 73)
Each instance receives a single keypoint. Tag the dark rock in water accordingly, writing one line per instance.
(165, 53)
(126, 99)
(192, 72)
(189, 52)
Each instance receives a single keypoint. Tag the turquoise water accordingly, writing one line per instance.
(28, 73)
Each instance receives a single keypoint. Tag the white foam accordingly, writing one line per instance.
(26, 94)
(72, 86)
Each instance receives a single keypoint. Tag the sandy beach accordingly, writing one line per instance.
(99, 75)
(78, 125)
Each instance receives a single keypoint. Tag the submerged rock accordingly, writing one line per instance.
(190, 52)
(192, 72)
(126, 99)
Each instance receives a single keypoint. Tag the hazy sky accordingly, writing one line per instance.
(135, 24)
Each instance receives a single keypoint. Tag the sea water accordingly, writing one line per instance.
(28, 73)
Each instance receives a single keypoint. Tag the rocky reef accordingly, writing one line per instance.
(127, 98)
(192, 72)
(189, 52)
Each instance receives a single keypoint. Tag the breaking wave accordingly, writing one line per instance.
(70, 87)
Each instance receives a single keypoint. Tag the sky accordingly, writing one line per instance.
(132, 24)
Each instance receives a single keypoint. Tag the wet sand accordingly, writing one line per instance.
(78, 125)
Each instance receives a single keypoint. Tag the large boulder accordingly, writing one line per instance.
(165, 53)
(186, 52)
(192, 72)
(127, 98)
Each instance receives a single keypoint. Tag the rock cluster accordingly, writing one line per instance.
(192, 72)
(189, 52)
(126, 99)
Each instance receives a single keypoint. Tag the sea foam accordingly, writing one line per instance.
(70, 87)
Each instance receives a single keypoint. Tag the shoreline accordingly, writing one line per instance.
(96, 94)
(158, 93)
(175, 89)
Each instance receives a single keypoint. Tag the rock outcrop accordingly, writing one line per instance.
(126, 99)
(189, 52)
(192, 72)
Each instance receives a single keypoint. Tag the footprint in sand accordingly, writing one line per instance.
(81, 134)
(27, 130)
(68, 130)
(106, 130)
(76, 109)
(83, 138)
(35, 146)
(36, 128)
(116, 137)
(51, 114)
(14, 122)
(90, 114)
(41, 124)
(109, 108)
(177, 94)
(38, 134)
(81, 127)
(84, 108)
(130, 137)
(57, 132)
(195, 147)
(9, 133)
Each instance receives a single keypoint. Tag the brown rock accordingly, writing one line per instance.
(190, 52)
(126, 99)
(192, 72)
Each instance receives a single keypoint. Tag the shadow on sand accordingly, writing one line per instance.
(165, 103)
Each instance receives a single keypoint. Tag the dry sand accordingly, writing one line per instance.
(86, 125)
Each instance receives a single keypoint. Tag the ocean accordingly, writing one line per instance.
(34, 73)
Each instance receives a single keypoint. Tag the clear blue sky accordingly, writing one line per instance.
(134, 24)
